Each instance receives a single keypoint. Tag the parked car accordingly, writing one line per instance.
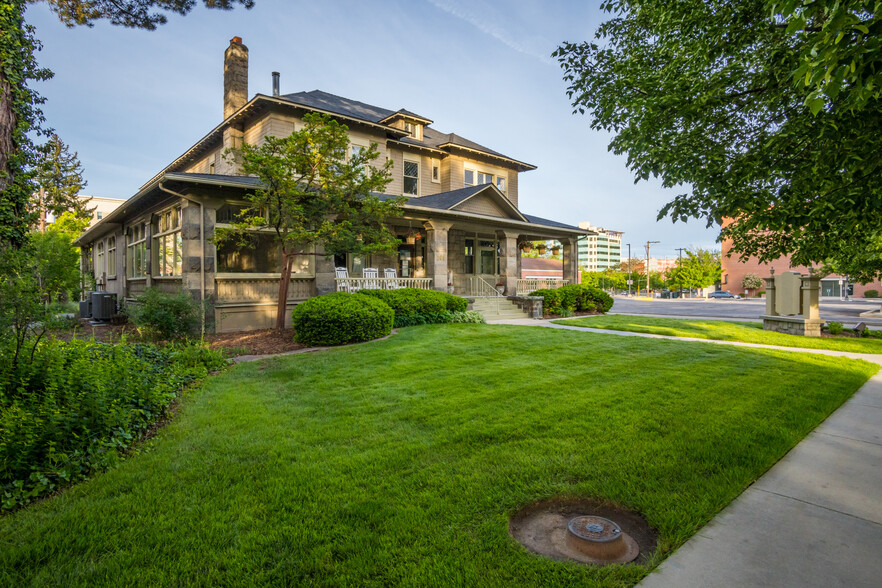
(724, 294)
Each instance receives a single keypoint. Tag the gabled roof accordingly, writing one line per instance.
(402, 113)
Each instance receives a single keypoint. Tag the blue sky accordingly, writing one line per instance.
(131, 101)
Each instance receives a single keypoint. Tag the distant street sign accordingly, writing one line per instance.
(629, 282)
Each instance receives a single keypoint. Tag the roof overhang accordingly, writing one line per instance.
(520, 165)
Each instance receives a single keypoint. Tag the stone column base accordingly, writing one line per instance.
(793, 325)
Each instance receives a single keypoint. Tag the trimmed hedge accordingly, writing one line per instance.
(574, 297)
(75, 407)
(338, 318)
(411, 301)
(871, 294)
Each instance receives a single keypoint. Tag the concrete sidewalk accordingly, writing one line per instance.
(813, 520)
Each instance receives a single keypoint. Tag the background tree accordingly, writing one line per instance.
(60, 177)
(699, 269)
(314, 195)
(768, 113)
(138, 14)
(751, 282)
(57, 260)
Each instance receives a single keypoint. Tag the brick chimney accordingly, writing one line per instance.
(235, 76)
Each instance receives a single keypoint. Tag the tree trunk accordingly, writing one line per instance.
(7, 128)
(282, 310)
(42, 209)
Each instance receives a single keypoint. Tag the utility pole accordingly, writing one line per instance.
(648, 244)
(680, 267)
(629, 269)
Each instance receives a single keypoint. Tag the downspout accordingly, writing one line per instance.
(201, 244)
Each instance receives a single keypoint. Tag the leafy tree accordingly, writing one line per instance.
(137, 14)
(699, 269)
(751, 282)
(19, 115)
(57, 260)
(764, 112)
(314, 195)
(60, 177)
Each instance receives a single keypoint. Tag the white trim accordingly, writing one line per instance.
(406, 158)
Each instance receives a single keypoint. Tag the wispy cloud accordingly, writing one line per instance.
(490, 21)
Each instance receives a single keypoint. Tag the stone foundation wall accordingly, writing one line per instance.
(793, 326)
(532, 305)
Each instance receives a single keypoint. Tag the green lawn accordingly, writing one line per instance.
(722, 331)
(398, 462)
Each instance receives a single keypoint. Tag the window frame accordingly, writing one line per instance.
(111, 256)
(260, 275)
(477, 173)
(136, 240)
(416, 160)
(168, 224)
(436, 167)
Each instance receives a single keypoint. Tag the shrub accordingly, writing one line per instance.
(835, 328)
(74, 408)
(600, 299)
(338, 318)
(871, 294)
(165, 317)
(551, 303)
(410, 301)
(574, 297)
(447, 316)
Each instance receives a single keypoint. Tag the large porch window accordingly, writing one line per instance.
(136, 251)
(167, 243)
(261, 254)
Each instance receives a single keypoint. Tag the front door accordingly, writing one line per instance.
(405, 261)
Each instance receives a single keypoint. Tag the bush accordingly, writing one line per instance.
(411, 301)
(835, 328)
(338, 318)
(600, 299)
(165, 317)
(871, 294)
(551, 303)
(574, 297)
(74, 408)
(447, 316)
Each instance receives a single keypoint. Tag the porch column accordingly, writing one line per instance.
(570, 260)
(436, 253)
(508, 264)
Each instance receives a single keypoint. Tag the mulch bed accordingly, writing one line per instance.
(259, 342)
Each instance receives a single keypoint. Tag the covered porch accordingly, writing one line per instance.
(467, 242)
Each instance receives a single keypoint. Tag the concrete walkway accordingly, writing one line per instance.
(813, 520)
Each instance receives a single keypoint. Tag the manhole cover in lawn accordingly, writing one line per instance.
(584, 531)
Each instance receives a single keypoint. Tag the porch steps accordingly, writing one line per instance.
(506, 309)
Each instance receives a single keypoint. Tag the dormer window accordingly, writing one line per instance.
(408, 126)
(415, 129)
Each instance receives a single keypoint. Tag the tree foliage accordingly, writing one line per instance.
(136, 14)
(19, 116)
(751, 282)
(60, 180)
(314, 194)
(699, 269)
(57, 260)
(763, 112)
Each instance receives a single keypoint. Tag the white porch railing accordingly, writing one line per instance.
(478, 287)
(525, 286)
(355, 284)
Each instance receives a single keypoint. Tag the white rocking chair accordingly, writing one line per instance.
(344, 286)
(392, 279)
(371, 276)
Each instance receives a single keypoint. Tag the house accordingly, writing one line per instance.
(460, 229)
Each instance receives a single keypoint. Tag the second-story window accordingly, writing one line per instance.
(436, 171)
(411, 177)
(500, 183)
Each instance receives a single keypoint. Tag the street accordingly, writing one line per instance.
(747, 309)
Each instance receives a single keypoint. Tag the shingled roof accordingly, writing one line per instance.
(376, 114)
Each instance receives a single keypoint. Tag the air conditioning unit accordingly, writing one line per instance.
(103, 305)
(86, 306)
